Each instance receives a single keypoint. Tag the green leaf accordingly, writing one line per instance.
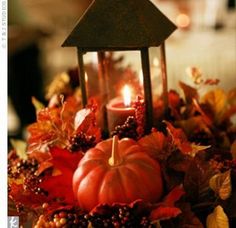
(217, 219)
(221, 184)
(20, 148)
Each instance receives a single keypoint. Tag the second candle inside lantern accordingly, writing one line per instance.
(119, 108)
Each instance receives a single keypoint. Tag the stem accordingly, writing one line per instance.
(115, 160)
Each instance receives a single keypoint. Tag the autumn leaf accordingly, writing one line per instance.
(85, 121)
(54, 126)
(217, 219)
(217, 99)
(20, 148)
(233, 149)
(37, 104)
(164, 212)
(166, 209)
(26, 197)
(173, 196)
(188, 219)
(193, 124)
(60, 186)
(190, 93)
(221, 184)
(196, 180)
(179, 138)
(196, 148)
(231, 97)
(156, 145)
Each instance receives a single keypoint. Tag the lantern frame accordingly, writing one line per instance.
(122, 25)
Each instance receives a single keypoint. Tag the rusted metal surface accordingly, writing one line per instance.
(120, 25)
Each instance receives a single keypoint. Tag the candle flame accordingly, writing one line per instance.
(126, 95)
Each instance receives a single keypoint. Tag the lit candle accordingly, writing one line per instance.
(119, 108)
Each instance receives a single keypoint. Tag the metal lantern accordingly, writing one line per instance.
(122, 25)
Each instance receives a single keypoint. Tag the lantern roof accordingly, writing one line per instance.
(120, 25)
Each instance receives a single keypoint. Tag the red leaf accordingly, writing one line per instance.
(166, 209)
(60, 186)
(85, 121)
(174, 196)
(179, 138)
(163, 212)
(25, 197)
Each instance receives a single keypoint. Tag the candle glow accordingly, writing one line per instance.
(126, 92)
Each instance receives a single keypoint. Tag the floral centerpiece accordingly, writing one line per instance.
(182, 174)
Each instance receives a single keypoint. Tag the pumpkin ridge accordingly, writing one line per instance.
(121, 182)
(86, 178)
(142, 176)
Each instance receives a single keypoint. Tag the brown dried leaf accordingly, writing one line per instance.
(192, 124)
(233, 149)
(217, 219)
(221, 184)
(190, 93)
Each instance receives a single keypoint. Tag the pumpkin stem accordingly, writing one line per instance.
(114, 160)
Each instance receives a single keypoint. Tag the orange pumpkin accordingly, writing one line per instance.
(116, 172)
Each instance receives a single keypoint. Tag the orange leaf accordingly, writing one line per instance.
(155, 144)
(174, 196)
(179, 138)
(163, 212)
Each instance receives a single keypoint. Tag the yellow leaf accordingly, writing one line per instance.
(217, 99)
(221, 184)
(196, 148)
(217, 219)
(37, 104)
(20, 148)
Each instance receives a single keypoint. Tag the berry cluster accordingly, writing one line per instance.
(31, 183)
(81, 142)
(28, 167)
(139, 106)
(64, 218)
(221, 165)
(128, 129)
(120, 216)
(114, 216)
